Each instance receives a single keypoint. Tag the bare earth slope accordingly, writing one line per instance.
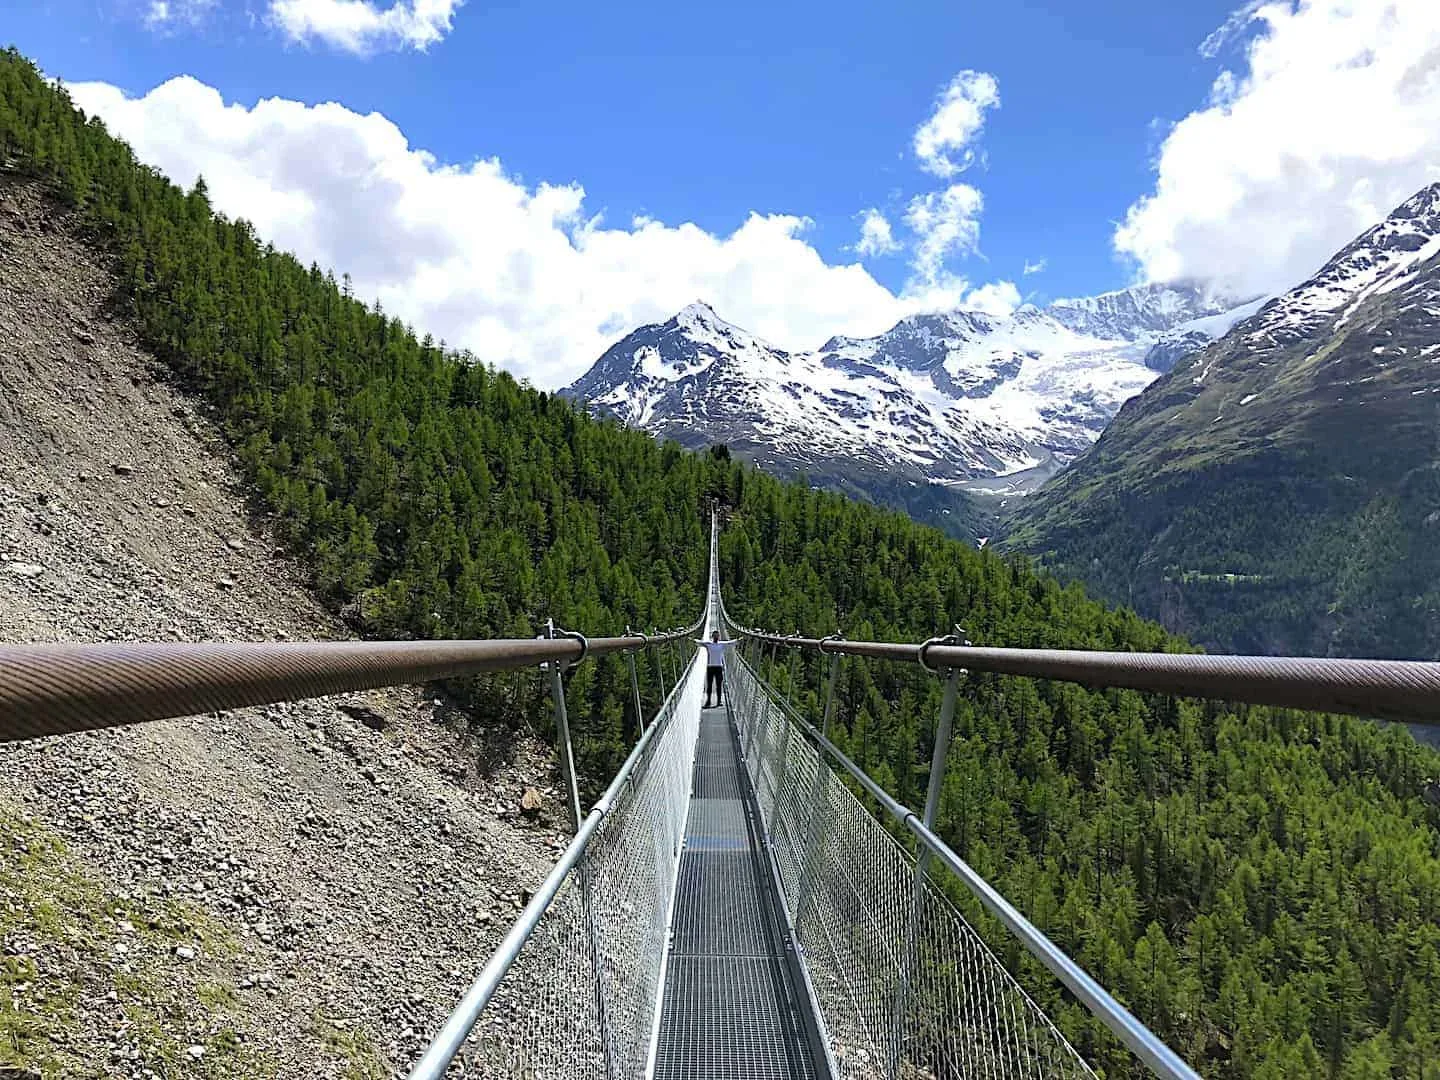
(278, 891)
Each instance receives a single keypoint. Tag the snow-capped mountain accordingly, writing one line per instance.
(956, 401)
(1279, 489)
(1128, 314)
(1379, 260)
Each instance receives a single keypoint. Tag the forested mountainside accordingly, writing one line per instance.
(1262, 887)
(1279, 491)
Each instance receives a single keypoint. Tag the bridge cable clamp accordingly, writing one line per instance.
(956, 638)
(644, 637)
(575, 635)
(925, 646)
(830, 637)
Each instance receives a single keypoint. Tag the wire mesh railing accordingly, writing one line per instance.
(906, 987)
(579, 987)
(574, 990)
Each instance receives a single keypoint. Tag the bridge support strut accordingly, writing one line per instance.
(922, 861)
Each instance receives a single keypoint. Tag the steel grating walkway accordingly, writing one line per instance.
(732, 1005)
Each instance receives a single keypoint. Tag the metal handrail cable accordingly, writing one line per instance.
(53, 689)
(1394, 689)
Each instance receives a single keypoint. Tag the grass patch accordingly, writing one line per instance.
(37, 1014)
(217, 997)
(63, 931)
(353, 1047)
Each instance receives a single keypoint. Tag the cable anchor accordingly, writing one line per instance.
(956, 638)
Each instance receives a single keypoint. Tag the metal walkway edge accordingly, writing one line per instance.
(732, 1006)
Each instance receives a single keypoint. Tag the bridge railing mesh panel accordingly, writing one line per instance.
(905, 986)
(585, 986)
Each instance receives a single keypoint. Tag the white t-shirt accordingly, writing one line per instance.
(715, 652)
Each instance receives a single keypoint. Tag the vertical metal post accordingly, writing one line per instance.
(759, 716)
(635, 690)
(942, 748)
(830, 695)
(562, 728)
(790, 675)
(660, 670)
(567, 766)
(932, 805)
(755, 714)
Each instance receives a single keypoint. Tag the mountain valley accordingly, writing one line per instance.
(205, 438)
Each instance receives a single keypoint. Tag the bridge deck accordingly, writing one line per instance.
(731, 1005)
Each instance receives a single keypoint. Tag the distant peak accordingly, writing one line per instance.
(1428, 193)
(699, 317)
(1142, 310)
(962, 321)
(1137, 293)
(1423, 203)
(699, 322)
(698, 312)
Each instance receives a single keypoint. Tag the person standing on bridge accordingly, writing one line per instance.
(715, 651)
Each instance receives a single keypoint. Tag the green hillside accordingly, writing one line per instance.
(1278, 491)
(1262, 887)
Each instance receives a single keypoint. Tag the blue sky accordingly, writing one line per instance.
(686, 113)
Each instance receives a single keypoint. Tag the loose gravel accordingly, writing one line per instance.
(301, 890)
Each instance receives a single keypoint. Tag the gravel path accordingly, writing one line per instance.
(280, 891)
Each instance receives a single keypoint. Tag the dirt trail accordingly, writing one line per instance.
(275, 891)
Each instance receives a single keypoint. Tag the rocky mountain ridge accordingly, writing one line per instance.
(937, 408)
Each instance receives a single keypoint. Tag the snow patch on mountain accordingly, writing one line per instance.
(1379, 260)
(949, 399)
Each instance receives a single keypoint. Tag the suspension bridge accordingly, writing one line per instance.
(743, 900)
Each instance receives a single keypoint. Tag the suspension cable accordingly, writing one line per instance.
(1392, 689)
(55, 689)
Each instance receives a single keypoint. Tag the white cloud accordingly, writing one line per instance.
(166, 15)
(942, 143)
(994, 298)
(1036, 267)
(1240, 18)
(359, 26)
(1332, 123)
(876, 236)
(526, 277)
(945, 223)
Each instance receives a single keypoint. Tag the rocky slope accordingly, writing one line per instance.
(280, 891)
(937, 406)
(1280, 490)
